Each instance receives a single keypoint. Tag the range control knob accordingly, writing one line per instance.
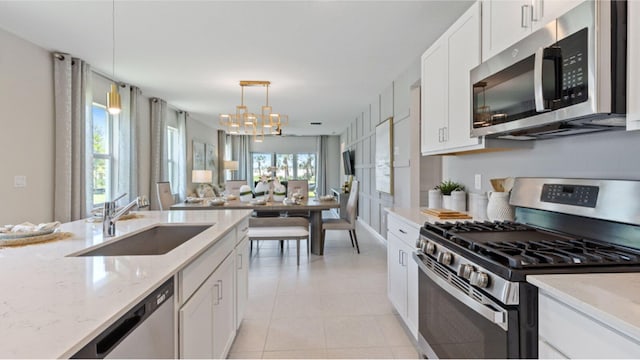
(445, 258)
(479, 279)
(465, 271)
(430, 248)
(419, 243)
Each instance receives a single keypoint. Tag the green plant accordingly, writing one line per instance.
(447, 186)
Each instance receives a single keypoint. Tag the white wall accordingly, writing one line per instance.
(27, 136)
(611, 155)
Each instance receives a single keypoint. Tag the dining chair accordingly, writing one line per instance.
(280, 228)
(233, 186)
(301, 187)
(347, 223)
(165, 196)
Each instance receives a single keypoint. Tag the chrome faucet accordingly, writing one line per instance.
(110, 215)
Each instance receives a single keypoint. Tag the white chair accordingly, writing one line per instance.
(165, 197)
(347, 223)
(298, 186)
(232, 187)
(280, 228)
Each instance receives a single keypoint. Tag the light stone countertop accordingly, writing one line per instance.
(613, 299)
(51, 305)
(416, 217)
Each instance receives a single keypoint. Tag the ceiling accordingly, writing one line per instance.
(326, 60)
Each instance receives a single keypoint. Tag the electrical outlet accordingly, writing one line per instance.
(20, 181)
(478, 182)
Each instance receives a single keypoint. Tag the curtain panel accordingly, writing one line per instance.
(323, 163)
(127, 143)
(181, 188)
(240, 151)
(221, 156)
(73, 138)
(158, 148)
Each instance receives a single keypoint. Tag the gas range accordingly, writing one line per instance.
(562, 226)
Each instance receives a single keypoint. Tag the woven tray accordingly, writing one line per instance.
(55, 236)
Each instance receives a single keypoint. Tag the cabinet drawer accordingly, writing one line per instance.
(242, 230)
(577, 335)
(191, 277)
(408, 234)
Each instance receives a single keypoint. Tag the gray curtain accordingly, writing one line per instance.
(73, 138)
(128, 143)
(158, 148)
(240, 152)
(181, 186)
(323, 158)
(221, 156)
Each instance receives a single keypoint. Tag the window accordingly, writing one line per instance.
(287, 167)
(102, 129)
(173, 147)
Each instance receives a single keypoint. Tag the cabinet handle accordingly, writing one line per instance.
(536, 10)
(221, 296)
(400, 257)
(523, 16)
(439, 134)
(217, 294)
(402, 231)
(445, 134)
(240, 257)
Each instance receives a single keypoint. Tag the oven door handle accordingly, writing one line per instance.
(488, 310)
(542, 96)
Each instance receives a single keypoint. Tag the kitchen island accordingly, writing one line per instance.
(52, 304)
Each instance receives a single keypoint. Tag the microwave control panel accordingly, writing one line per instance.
(574, 68)
(578, 195)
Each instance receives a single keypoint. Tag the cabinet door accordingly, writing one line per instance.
(464, 55)
(434, 112)
(242, 279)
(196, 323)
(545, 11)
(504, 22)
(224, 323)
(633, 72)
(397, 275)
(412, 294)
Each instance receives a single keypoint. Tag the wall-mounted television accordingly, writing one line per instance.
(348, 162)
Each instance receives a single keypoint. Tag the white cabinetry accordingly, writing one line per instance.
(402, 276)
(242, 276)
(633, 71)
(566, 332)
(504, 22)
(212, 297)
(446, 93)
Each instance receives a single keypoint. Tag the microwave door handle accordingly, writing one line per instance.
(537, 80)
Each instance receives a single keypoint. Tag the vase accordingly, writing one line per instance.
(446, 202)
(435, 199)
(498, 208)
(458, 200)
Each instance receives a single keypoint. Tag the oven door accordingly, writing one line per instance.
(457, 321)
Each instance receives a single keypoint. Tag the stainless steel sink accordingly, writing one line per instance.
(157, 240)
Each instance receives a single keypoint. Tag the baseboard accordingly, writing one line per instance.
(373, 232)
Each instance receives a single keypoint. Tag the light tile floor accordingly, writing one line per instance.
(332, 306)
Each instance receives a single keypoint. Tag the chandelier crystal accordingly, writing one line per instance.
(244, 122)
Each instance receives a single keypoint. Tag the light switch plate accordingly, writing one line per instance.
(478, 182)
(20, 181)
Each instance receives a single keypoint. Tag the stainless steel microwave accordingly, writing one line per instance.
(566, 78)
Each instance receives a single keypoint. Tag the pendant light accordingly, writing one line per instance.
(113, 96)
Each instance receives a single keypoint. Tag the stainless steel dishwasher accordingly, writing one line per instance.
(144, 332)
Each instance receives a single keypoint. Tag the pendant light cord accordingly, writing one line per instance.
(113, 40)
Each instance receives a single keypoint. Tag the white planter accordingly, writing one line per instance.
(446, 202)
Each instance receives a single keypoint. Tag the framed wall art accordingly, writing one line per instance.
(384, 156)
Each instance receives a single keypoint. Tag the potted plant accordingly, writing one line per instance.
(446, 187)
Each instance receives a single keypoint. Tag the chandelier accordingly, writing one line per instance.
(244, 122)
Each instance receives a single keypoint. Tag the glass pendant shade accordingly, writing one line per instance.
(113, 100)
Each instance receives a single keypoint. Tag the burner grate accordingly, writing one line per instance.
(521, 246)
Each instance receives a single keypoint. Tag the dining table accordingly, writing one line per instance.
(313, 205)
